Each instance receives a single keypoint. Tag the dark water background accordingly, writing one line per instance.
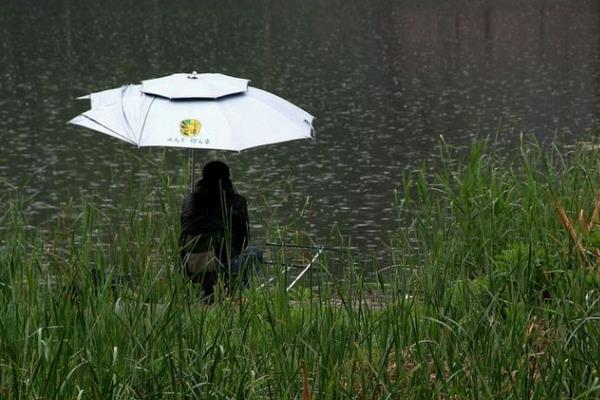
(384, 79)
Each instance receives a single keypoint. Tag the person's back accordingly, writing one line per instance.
(214, 226)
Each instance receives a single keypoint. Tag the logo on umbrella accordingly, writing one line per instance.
(190, 127)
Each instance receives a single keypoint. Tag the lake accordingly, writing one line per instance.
(384, 79)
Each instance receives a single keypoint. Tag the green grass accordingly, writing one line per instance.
(490, 295)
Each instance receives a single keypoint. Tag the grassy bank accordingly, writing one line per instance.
(493, 293)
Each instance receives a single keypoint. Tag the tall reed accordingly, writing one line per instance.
(493, 293)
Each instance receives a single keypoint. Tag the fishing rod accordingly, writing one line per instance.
(283, 264)
(300, 275)
(305, 269)
(299, 246)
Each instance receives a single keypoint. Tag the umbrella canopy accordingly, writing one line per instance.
(194, 86)
(198, 111)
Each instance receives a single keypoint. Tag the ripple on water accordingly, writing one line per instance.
(381, 99)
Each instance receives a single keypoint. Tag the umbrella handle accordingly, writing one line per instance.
(192, 168)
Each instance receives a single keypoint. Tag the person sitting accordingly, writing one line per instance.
(215, 232)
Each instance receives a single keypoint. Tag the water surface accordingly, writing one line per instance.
(384, 80)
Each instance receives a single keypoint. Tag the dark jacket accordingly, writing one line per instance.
(217, 218)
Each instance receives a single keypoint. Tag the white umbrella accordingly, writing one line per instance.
(197, 111)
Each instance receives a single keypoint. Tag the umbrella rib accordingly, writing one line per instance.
(139, 143)
(128, 140)
(131, 132)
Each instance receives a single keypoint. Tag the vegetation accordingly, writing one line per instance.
(494, 292)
